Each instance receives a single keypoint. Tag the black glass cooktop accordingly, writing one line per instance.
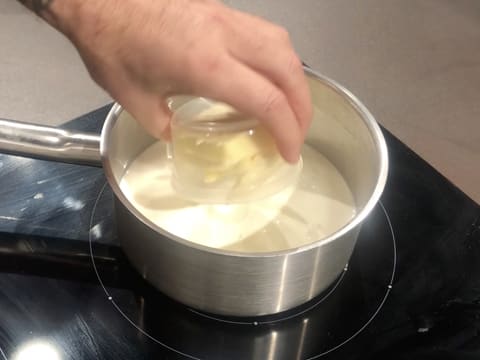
(410, 291)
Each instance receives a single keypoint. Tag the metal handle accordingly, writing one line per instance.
(49, 143)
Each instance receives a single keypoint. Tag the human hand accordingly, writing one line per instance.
(143, 51)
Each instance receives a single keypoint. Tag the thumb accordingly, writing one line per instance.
(150, 110)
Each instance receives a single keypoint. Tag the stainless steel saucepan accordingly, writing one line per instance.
(215, 280)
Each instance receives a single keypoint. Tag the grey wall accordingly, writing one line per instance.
(414, 63)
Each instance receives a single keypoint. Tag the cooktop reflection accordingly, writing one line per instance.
(411, 289)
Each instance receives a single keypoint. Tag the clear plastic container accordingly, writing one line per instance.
(222, 156)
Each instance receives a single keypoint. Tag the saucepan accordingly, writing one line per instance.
(215, 280)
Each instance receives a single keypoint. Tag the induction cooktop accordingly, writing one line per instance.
(410, 291)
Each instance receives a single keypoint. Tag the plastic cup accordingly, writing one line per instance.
(219, 155)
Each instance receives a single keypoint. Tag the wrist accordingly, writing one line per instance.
(61, 14)
(74, 18)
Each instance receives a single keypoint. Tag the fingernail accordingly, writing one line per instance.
(292, 157)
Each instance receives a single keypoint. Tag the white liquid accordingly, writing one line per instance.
(317, 206)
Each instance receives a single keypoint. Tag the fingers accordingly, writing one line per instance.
(251, 93)
(149, 109)
(269, 51)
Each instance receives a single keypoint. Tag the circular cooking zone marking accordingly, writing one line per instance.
(302, 314)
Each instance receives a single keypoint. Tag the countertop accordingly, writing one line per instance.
(415, 64)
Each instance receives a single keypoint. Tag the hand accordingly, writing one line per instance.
(142, 51)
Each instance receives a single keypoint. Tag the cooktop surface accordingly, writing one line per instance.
(67, 291)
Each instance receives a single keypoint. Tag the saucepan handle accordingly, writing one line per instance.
(49, 143)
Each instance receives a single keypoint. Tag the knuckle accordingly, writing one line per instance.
(200, 69)
(210, 64)
(197, 62)
(294, 63)
(215, 16)
(282, 34)
(258, 44)
(273, 101)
